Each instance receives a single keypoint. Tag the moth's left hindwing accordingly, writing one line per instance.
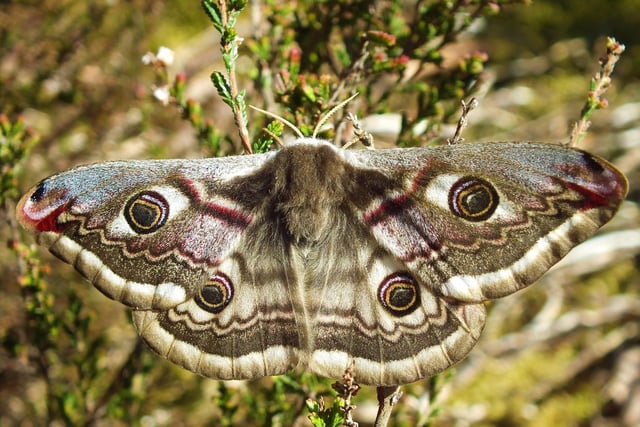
(316, 257)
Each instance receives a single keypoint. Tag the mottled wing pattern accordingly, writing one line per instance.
(428, 235)
(388, 327)
(157, 236)
(256, 330)
(246, 328)
(541, 200)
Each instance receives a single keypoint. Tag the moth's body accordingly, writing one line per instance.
(322, 258)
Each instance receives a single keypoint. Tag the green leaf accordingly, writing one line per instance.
(222, 86)
(316, 421)
(213, 12)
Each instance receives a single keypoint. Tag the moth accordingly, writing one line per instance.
(322, 258)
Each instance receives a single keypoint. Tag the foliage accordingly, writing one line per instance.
(76, 384)
(16, 140)
(309, 56)
(599, 85)
(72, 71)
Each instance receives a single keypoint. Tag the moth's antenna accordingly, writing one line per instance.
(280, 119)
(321, 123)
(331, 112)
(275, 137)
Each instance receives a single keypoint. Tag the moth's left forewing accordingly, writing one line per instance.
(143, 232)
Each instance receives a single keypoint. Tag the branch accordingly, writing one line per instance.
(599, 85)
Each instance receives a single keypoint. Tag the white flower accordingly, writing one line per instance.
(162, 94)
(148, 58)
(165, 55)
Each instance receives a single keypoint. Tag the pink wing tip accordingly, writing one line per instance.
(38, 210)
